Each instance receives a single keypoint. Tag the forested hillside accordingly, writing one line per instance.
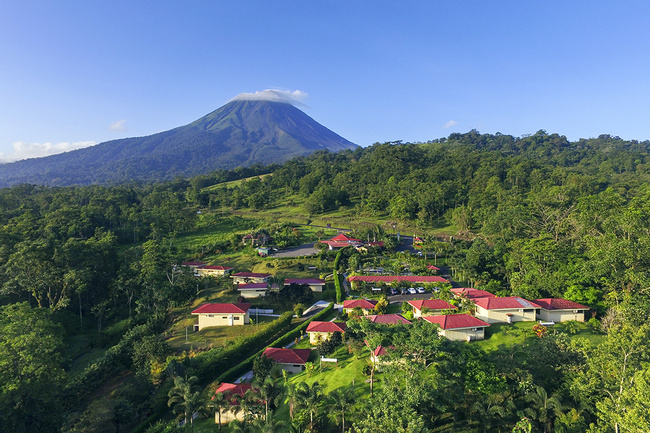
(90, 286)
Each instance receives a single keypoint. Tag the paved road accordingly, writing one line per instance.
(302, 250)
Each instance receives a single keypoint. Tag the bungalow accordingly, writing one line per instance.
(253, 290)
(213, 270)
(388, 319)
(561, 310)
(355, 280)
(249, 277)
(366, 305)
(193, 265)
(319, 331)
(342, 240)
(315, 284)
(505, 310)
(431, 307)
(231, 391)
(471, 293)
(221, 315)
(459, 327)
(375, 354)
(291, 360)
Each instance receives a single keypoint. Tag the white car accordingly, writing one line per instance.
(421, 290)
(412, 291)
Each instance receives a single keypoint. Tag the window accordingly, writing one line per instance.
(224, 317)
(236, 317)
(528, 311)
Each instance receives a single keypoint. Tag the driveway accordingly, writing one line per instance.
(302, 250)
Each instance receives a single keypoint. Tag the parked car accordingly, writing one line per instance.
(392, 292)
(412, 291)
(421, 290)
(403, 291)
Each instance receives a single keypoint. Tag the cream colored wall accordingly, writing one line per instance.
(461, 334)
(212, 272)
(246, 280)
(501, 316)
(206, 320)
(316, 337)
(561, 316)
(227, 416)
(252, 293)
(292, 368)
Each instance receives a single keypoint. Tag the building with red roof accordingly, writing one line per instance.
(221, 315)
(505, 310)
(459, 327)
(366, 305)
(231, 391)
(213, 270)
(253, 290)
(388, 319)
(561, 310)
(342, 240)
(315, 284)
(291, 360)
(249, 277)
(319, 331)
(430, 306)
(471, 293)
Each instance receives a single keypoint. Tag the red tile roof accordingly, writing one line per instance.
(376, 244)
(216, 267)
(251, 275)
(253, 286)
(232, 389)
(287, 356)
(236, 308)
(559, 304)
(471, 293)
(391, 278)
(313, 281)
(388, 319)
(367, 304)
(433, 268)
(340, 244)
(344, 238)
(456, 321)
(432, 304)
(508, 303)
(326, 327)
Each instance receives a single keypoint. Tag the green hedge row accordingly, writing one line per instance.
(287, 338)
(214, 362)
(337, 279)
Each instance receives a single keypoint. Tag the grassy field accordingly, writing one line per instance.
(233, 183)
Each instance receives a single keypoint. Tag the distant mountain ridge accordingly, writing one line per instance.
(241, 133)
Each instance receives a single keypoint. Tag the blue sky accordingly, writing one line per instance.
(75, 73)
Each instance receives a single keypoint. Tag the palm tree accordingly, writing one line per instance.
(291, 394)
(489, 407)
(237, 426)
(341, 402)
(310, 399)
(217, 404)
(544, 407)
(271, 392)
(185, 399)
(270, 426)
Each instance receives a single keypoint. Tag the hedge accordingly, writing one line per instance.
(290, 336)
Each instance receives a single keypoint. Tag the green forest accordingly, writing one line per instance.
(94, 305)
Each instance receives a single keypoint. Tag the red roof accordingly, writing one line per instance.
(251, 275)
(456, 321)
(340, 244)
(388, 319)
(433, 268)
(236, 308)
(313, 281)
(391, 278)
(559, 304)
(326, 327)
(470, 293)
(233, 389)
(432, 304)
(376, 244)
(367, 304)
(287, 356)
(253, 286)
(193, 264)
(216, 267)
(508, 303)
(344, 238)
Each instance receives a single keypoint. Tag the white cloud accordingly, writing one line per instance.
(24, 150)
(295, 98)
(450, 123)
(120, 125)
